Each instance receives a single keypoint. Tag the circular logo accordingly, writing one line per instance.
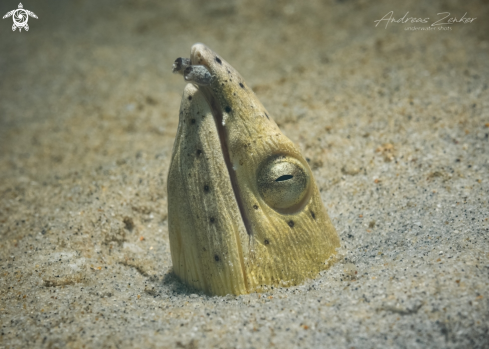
(20, 17)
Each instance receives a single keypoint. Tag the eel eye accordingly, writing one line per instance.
(284, 183)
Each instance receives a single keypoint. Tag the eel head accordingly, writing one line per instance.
(244, 210)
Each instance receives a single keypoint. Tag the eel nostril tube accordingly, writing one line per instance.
(197, 74)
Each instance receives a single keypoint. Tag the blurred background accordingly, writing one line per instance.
(91, 80)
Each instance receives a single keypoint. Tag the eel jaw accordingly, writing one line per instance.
(207, 235)
(200, 69)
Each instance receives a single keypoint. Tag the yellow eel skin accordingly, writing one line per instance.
(244, 211)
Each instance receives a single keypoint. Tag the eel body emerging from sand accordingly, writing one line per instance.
(244, 211)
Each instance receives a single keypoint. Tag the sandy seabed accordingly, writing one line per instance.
(394, 122)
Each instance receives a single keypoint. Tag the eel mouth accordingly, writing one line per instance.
(223, 140)
(217, 115)
(201, 55)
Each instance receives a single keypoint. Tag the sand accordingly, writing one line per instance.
(394, 122)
